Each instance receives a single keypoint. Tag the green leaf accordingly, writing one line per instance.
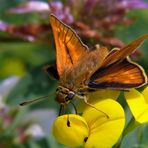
(137, 138)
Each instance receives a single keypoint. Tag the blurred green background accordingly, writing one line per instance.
(22, 76)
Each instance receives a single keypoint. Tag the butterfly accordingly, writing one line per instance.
(80, 69)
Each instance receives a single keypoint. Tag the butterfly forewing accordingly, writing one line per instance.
(123, 52)
(69, 47)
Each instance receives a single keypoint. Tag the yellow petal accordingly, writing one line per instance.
(137, 105)
(103, 94)
(104, 132)
(145, 94)
(70, 130)
(96, 96)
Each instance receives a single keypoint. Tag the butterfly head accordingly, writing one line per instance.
(64, 95)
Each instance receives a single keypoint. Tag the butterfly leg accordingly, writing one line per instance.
(61, 111)
(75, 109)
(89, 104)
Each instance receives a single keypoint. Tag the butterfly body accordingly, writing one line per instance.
(80, 69)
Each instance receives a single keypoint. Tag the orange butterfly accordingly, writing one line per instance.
(80, 69)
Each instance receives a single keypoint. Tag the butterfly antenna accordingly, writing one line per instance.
(85, 100)
(35, 100)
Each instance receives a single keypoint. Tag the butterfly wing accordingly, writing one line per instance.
(52, 72)
(70, 52)
(118, 72)
(69, 47)
(120, 75)
(75, 61)
(116, 55)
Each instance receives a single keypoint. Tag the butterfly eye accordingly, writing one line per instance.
(70, 96)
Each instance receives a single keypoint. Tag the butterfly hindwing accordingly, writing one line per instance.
(120, 75)
(52, 72)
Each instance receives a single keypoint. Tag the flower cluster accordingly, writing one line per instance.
(104, 128)
(98, 23)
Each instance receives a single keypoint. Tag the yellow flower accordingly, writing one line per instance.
(70, 130)
(98, 96)
(138, 104)
(93, 129)
(145, 94)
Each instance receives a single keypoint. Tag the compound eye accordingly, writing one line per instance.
(70, 96)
